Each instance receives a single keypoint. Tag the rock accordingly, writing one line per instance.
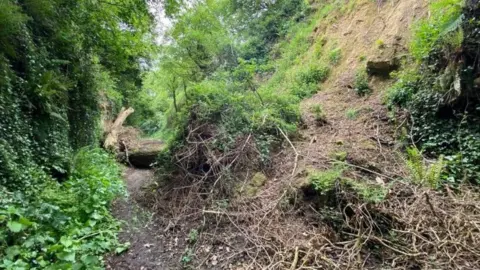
(384, 63)
(381, 67)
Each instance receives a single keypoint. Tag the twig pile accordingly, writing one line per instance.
(413, 228)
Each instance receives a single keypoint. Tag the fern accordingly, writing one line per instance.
(434, 172)
(415, 165)
(422, 173)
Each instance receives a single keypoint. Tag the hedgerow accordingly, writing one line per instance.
(59, 60)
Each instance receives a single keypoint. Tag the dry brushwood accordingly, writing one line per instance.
(201, 160)
(412, 228)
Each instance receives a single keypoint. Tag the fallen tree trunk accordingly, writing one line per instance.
(112, 131)
(126, 142)
(141, 153)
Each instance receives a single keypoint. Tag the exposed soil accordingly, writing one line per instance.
(149, 247)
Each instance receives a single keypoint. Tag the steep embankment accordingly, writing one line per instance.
(359, 128)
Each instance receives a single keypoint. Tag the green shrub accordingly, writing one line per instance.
(446, 17)
(407, 83)
(318, 47)
(314, 74)
(352, 114)
(335, 56)
(63, 226)
(360, 85)
(324, 181)
(304, 90)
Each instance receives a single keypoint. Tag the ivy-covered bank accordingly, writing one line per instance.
(440, 88)
(58, 60)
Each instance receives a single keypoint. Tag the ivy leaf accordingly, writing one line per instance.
(12, 252)
(90, 260)
(67, 242)
(55, 248)
(25, 222)
(96, 216)
(14, 226)
(66, 256)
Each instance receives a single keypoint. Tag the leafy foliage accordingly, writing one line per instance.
(360, 84)
(55, 59)
(446, 17)
(422, 173)
(62, 226)
(262, 23)
(439, 90)
(335, 55)
(326, 181)
(59, 60)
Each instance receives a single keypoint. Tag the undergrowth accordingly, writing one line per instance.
(437, 88)
(333, 180)
(446, 17)
(254, 98)
(63, 225)
(421, 173)
(361, 85)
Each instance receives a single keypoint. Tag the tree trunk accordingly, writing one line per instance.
(142, 153)
(126, 142)
(111, 139)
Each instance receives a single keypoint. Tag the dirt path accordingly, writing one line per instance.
(149, 248)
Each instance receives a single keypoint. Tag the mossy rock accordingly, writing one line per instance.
(258, 180)
(340, 156)
(253, 186)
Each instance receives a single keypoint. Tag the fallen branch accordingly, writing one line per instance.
(295, 260)
(294, 149)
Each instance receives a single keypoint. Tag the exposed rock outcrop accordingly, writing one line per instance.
(384, 63)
